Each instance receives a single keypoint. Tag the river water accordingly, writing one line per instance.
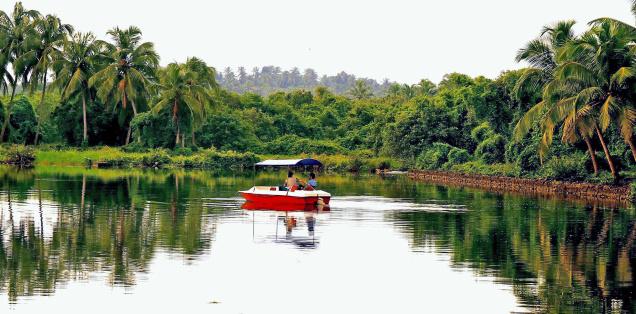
(108, 241)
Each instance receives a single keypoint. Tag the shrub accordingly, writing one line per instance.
(570, 167)
(21, 156)
(482, 132)
(457, 156)
(227, 160)
(293, 145)
(632, 191)
(22, 123)
(155, 159)
(384, 164)
(524, 155)
(354, 165)
(477, 167)
(603, 177)
(434, 157)
(225, 131)
(491, 150)
(185, 151)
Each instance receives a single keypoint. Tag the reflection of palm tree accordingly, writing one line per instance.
(40, 211)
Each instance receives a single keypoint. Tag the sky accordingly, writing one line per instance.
(401, 40)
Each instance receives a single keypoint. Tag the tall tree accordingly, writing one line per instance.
(51, 37)
(591, 84)
(79, 60)
(17, 34)
(542, 55)
(182, 90)
(360, 90)
(130, 70)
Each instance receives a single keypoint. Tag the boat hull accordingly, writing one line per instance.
(259, 206)
(273, 197)
(283, 199)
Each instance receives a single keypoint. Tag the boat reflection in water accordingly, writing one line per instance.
(292, 217)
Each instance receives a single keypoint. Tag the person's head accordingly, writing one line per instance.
(312, 175)
(290, 174)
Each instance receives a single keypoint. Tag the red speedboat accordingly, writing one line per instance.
(273, 196)
(284, 207)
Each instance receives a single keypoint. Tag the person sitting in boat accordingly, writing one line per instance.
(311, 184)
(312, 180)
(291, 183)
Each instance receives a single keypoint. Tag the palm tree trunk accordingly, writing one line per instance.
(176, 142)
(7, 115)
(607, 153)
(134, 108)
(631, 146)
(84, 117)
(37, 127)
(128, 135)
(590, 150)
(194, 143)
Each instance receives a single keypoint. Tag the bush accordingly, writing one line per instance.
(457, 156)
(225, 131)
(293, 145)
(603, 177)
(632, 191)
(524, 155)
(384, 164)
(477, 167)
(482, 132)
(155, 159)
(434, 157)
(225, 160)
(566, 168)
(491, 150)
(21, 156)
(354, 165)
(22, 124)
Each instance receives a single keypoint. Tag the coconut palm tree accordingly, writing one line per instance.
(595, 83)
(206, 77)
(604, 76)
(542, 55)
(131, 68)
(182, 90)
(52, 34)
(360, 90)
(17, 35)
(78, 61)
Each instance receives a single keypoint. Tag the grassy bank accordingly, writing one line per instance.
(111, 157)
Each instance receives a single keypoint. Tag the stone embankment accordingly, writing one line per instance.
(570, 190)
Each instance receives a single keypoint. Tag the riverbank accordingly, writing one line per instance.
(114, 157)
(604, 193)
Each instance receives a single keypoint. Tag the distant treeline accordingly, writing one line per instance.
(269, 79)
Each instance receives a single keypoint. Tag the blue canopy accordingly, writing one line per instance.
(290, 162)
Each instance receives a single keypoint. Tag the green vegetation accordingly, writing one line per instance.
(578, 87)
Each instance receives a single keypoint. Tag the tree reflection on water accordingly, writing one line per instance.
(61, 225)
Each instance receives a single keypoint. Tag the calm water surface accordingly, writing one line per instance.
(100, 241)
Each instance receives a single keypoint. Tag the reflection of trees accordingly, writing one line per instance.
(113, 226)
(558, 258)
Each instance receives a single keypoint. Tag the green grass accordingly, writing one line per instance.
(73, 157)
(48, 156)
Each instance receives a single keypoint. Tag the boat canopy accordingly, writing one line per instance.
(289, 163)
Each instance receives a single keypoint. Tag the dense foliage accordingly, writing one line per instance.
(113, 92)
(268, 79)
